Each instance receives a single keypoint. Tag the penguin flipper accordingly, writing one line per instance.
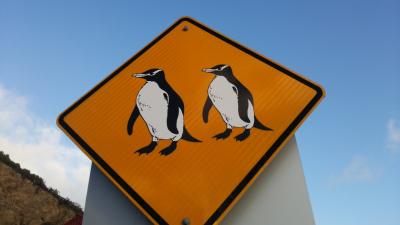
(243, 107)
(259, 125)
(206, 109)
(134, 115)
(172, 118)
(188, 137)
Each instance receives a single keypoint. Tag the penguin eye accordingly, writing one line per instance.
(155, 72)
(222, 67)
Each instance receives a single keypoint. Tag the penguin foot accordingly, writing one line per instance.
(168, 150)
(224, 134)
(243, 136)
(147, 149)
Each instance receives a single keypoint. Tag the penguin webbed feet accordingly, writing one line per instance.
(223, 135)
(168, 150)
(147, 149)
(243, 136)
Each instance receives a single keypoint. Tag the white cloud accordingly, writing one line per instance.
(359, 169)
(393, 128)
(36, 144)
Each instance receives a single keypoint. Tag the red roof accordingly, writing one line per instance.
(77, 220)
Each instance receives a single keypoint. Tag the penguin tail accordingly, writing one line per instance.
(188, 137)
(259, 125)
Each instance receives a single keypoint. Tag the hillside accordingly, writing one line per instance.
(26, 200)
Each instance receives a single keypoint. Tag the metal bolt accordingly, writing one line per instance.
(186, 221)
(185, 28)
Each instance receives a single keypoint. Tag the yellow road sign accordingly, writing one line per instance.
(186, 125)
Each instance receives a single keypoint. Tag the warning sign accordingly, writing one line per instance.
(185, 125)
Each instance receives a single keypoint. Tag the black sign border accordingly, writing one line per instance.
(253, 172)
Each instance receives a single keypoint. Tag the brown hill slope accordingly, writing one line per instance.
(26, 200)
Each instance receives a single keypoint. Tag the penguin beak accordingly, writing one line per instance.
(139, 75)
(208, 70)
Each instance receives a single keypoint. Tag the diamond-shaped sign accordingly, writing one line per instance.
(185, 125)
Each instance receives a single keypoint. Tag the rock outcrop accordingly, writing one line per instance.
(26, 200)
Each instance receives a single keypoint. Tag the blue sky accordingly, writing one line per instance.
(52, 52)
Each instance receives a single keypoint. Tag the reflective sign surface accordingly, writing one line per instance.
(184, 126)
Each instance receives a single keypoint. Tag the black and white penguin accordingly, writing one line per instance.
(162, 109)
(233, 101)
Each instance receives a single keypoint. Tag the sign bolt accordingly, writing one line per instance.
(186, 221)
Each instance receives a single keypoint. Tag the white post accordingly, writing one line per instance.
(278, 197)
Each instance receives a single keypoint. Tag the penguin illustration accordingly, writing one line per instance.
(233, 101)
(162, 109)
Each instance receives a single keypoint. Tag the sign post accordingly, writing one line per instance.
(186, 125)
(279, 197)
